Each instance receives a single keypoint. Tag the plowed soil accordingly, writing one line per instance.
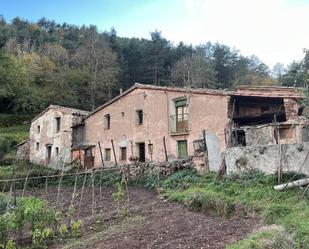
(154, 222)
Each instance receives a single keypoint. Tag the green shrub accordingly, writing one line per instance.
(209, 201)
(41, 237)
(30, 213)
(10, 245)
(76, 228)
(4, 200)
(5, 146)
(63, 230)
(182, 179)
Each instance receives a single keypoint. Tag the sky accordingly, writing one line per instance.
(273, 30)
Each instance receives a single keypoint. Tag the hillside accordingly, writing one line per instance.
(13, 130)
(45, 62)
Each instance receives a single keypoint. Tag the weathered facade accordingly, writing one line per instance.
(23, 150)
(134, 125)
(267, 130)
(154, 124)
(51, 135)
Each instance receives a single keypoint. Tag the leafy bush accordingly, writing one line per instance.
(147, 181)
(76, 228)
(31, 213)
(182, 179)
(4, 200)
(41, 237)
(10, 245)
(63, 230)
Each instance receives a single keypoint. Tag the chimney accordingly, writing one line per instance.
(120, 91)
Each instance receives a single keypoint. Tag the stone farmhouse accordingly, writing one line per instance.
(51, 135)
(236, 129)
(154, 123)
(135, 124)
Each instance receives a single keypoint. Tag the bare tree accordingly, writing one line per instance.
(96, 58)
(193, 71)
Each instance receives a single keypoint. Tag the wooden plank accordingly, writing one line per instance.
(114, 151)
(101, 154)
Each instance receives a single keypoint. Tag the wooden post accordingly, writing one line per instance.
(101, 154)
(150, 151)
(205, 149)
(279, 148)
(131, 148)
(166, 158)
(114, 151)
(80, 157)
(204, 138)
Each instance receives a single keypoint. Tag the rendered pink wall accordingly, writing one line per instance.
(206, 111)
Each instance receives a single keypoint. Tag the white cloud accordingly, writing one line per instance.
(274, 30)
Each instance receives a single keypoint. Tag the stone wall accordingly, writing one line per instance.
(23, 150)
(266, 158)
(263, 135)
(164, 168)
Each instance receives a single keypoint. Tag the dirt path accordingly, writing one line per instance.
(155, 224)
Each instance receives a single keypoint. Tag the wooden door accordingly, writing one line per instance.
(182, 149)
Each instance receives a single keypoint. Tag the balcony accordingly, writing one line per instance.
(179, 125)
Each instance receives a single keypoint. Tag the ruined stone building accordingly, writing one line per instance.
(50, 138)
(267, 130)
(154, 123)
(251, 127)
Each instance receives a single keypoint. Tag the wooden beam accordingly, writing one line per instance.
(293, 184)
(114, 151)
(101, 154)
(164, 143)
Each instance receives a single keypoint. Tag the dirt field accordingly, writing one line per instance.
(154, 222)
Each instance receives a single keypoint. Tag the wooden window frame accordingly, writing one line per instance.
(123, 154)
(107, 156)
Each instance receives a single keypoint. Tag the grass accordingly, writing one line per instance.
(273, 237)
(16, 133)
(15, 127)
(251, 192)
(13, 130)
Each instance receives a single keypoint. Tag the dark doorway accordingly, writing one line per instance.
(141, 152)
(48, 154)
(88, 158)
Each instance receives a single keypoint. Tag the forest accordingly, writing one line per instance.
(46, 62)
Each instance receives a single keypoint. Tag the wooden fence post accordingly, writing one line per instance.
(114, 152)
(101, 154)
(205, 150)
(166, 158)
